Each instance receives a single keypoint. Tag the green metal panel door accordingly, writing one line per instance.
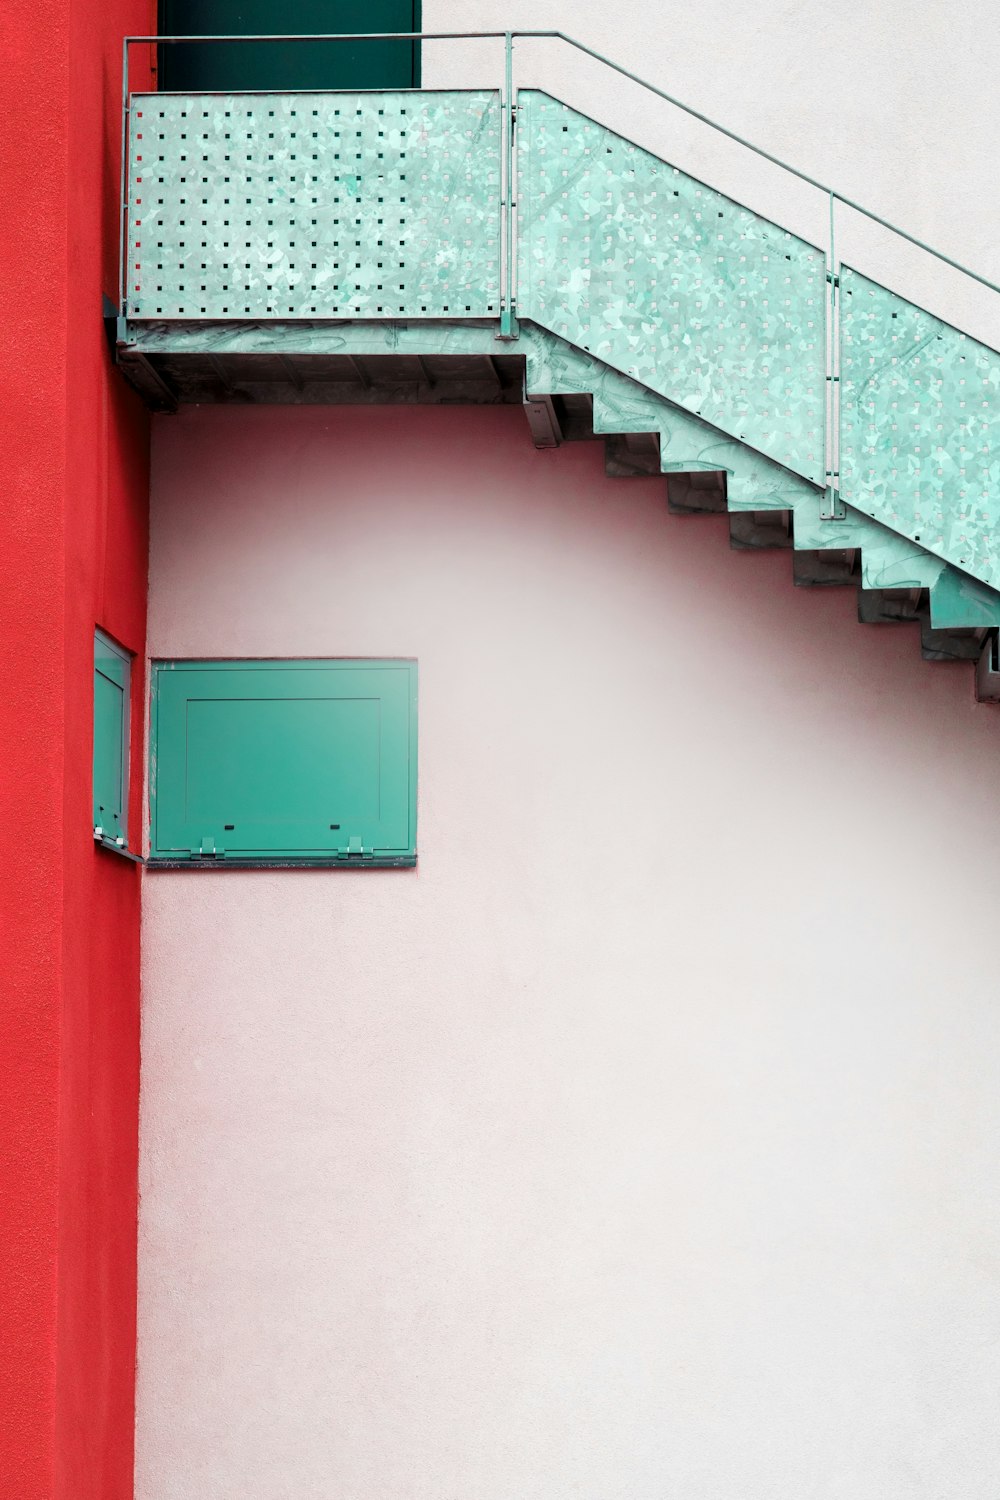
(288, 65)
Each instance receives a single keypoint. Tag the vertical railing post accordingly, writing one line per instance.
(508, 316)
(832, 506)
(123, 189)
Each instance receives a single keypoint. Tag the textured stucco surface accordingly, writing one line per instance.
(73, 542)
(643, 1140)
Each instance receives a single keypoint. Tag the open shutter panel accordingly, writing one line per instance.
(111, 709)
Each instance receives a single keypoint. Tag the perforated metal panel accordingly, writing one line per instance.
(920, 447)
(672, 283)
(313, 205)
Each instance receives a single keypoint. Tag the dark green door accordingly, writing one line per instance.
(288, 65)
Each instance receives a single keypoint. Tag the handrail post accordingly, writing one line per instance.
(123, 188)
(508, 318)
(832, 507)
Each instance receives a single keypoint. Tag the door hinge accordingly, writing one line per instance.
(116, 844)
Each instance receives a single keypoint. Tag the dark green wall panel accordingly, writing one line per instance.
(288, 65)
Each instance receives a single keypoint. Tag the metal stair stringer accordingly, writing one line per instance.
(768, 505)
(755, 330)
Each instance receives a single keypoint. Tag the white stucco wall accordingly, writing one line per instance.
(643, 1141)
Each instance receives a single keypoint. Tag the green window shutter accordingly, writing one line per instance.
(112, 670)
(284, 761)
(239, 66)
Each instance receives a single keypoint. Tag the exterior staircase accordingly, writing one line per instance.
(498, 246)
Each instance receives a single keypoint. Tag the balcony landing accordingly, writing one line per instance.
(319, 364)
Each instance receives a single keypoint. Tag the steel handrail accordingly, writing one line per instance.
(510, 36)
(832, 506)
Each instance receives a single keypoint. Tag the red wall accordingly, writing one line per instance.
(73, 537)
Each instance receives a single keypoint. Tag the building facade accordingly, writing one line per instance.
(627, 1124)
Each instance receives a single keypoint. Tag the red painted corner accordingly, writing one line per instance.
(73, 524)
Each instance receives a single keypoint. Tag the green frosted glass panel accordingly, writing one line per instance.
(288, 65)
(111, 703)
(284, 760)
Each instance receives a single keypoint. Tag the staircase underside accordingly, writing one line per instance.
(568, 395)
